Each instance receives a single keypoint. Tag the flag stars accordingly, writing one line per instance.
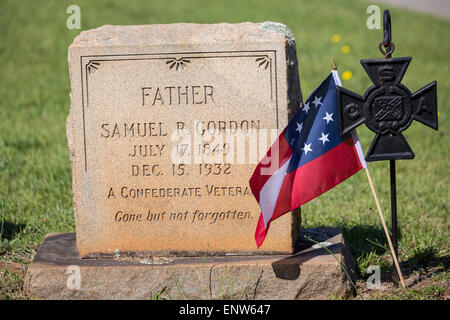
(328, 117)
(324, 138)
(306, 107)
(307, 148)
(317, 101)
(299, 127)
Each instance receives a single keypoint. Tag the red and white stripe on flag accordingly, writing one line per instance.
(279, 188)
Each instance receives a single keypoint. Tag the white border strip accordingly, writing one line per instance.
(359, 150)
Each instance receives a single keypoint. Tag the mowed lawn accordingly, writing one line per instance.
(35, 174)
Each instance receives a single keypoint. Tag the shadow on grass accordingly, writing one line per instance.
(424, 259)
(9, 229)
(364, 239)
(365, 242)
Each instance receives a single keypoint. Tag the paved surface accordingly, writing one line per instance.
(438, 8)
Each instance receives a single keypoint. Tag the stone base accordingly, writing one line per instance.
(312, 273)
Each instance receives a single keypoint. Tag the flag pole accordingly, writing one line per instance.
(372, 188)
(394, 256)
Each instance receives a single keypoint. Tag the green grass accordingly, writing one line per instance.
(10, 285)
(35, 175)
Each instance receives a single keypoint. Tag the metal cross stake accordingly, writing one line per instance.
(388, 108)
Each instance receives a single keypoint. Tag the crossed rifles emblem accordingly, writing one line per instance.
(387, 108)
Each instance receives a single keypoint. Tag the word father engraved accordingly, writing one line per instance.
(177, 95)
(165, 130)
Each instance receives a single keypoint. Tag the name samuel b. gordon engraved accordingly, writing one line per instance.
(153, 136)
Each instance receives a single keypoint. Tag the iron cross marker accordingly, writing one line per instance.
(387, 108)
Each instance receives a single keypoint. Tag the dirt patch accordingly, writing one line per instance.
(431, 284)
